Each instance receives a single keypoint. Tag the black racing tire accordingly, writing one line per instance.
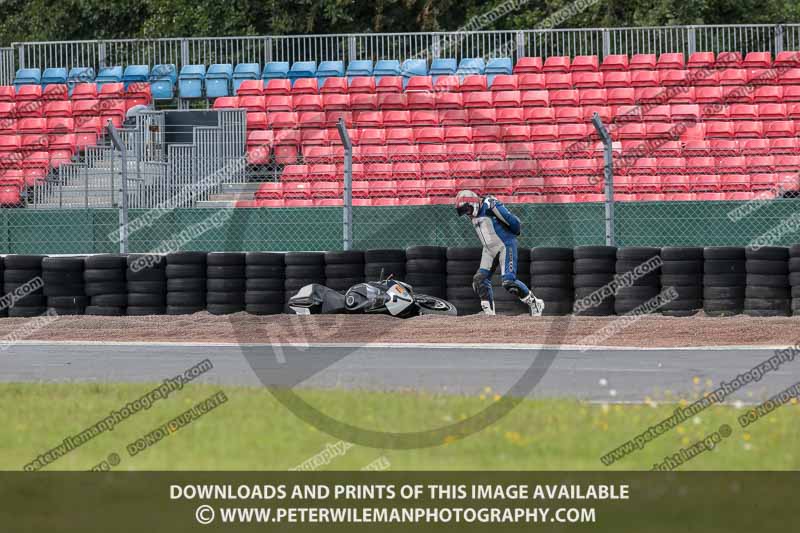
(265, 271)
(625, 306)
(682, 254)
(434, 305)
(464, 254)
(345, 257)
(185, 271)
(765, 280)
(551, 267)
(142, 310)
(794, 264)
(186, 258)
(683, 304)
(184, 310)
(152, 287)
(342, 284)
(767, 267)
(31, 300)
(105, 261)
(426, 266)
(585, 292)
(638, 253)
(11, 286)
(226, 285)
(148, 274)
(20, 311)
(594, 266)
(188, 285)
(724, 253)
(595, 252)
(592, 280)
(549, 294)
(105, 287)
(680, 313)
(64, 290)
(688, 292)
(60, 277)
(553, 280)
(225, 272)
(62, 264)
(101, 310)
(372, 271)
(304, 259)
(466, 307)
(266, 259)
(426, 252)
(461, 293)
(557, 308)
(425, 279)
(432, 290)
(23, 262)
(264, 284)
(145, 299)
(21, 276)
(794, 278)
(767, 292)
(681, 267)
(723, 293)
(384, 255)
(225, 259)
(305, 271)
(550, 253)
(67, 301)
(724, 280)
(605, 309)
(154, 261)
(186, 299)
(724, 266)
(668, 280)
(640, 294)
(224, 298)
(265, 309)
(94, 275)
(224, 309)
(264, 297)
(767, 303)
(795, 305)
(767, 312)
(733, 305)
(293, 284)
(796, 292)
(458, 280)
(767, 253)
(461, 267)
(66, 311)
(344, 271)
(113, 300)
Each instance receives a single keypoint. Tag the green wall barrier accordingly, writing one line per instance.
(79, 231)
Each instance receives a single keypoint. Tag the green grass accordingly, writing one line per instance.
(253, 431)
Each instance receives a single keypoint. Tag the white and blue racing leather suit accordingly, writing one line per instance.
(498, 230)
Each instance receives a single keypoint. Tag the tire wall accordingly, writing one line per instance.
(722, 281)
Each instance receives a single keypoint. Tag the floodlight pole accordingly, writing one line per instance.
(608, 174)
(347, 212)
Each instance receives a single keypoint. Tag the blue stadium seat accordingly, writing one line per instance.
(79, 75)
(218, 80)
(108, 75)
(444, 66)
(386, 67)
(135, 74)
(302, 69)
(359, 67)
(245, 71)
(190, 81)
(473, 65)
(498, 65)
(28, 76)
(162, 81)
(54, 76)
(275, 70)
(330, 69)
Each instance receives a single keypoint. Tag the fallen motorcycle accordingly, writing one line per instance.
(388, 297)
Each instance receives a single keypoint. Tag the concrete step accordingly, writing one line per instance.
(216, 204)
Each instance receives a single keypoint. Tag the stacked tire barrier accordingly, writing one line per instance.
(383, 263)
(225, 282)
(724, 280)
(265, 272)
(552, 279)
(344, 269)
(426, 268)
(767, 292)
(186, 282)
(147, 285)
(104, 277)
(63, 285)
(20, 275)
(682, 269)
(594, 268)
(794, 277)
(641, 266)
(462, 263)
(506, 303)
(302, 268)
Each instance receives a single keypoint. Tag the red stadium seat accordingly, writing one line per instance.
(441, 187)
(273, 104)
(720, 129)
(362, 84)
(757, 60)
(505, 82)
(615, 62)
(657, 113)
(603, 111)
(285, 154)
(8, 93)
(485, 133)
(535, 98)
(420, 100)
(519, 150)
(650, 95)
(491, 171)
(704, 77)
(557, 80)
(568, 114)
(58, 108)
(247, 88)
(748, 129)
(793, 110)
(787, 59)
(32, 108)
(256, 121)
(399, 135)
(526, 65)
(592, 97)
(737, 94)
(370, 136)
(334, 85)
(732, 164)
(621, 96)
(644, 78)
(363, 101)
(701, 60)
(448, 100)
(429, 135)
(743, 112)
(674, 183)
(419, 83)
(554, 167)
(708, 95)
(755, 147)
(435, 170)
(642, 62)
(482, 116)
(330, 102)
(673, 77)
(305, 86)
(787, 163)
(659, 130)
(709, 182)
(612, 79)
(367, 119)
(768, 94)
(478, 99)
(564, 97)
(473, 82)
(556, 64)
(59, 92)
(424, 117)
(460, 152)
(573, 131)
(670, 60)
(772, 111)
(273, 87)
(29, 92)
(465, 169)
(543, 132)
(716, 112)
(762, 76)
(585, 63)
(458, 134)
(505, 98)
(627, 113)
(784, 145)
(489, 150)
(700, 165)
(723, 147)
(729, 59)
(307, 102)
(387, 100)
(389, 84)
(759, 163)
(225, 102)
(281, 120)
(548, 149)
(397, 118)
(531, 82)
(685, 112)
(515, 133)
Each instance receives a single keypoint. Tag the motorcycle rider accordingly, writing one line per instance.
(498, 229)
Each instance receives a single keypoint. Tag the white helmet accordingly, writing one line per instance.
(468, 203)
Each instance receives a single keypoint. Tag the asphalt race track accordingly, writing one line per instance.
(612, 375)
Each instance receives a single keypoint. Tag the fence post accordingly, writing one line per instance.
(123, 204)
(778, 38)
(21, 55)
(608, 174)
(691, 41)
(606, 42)
(347, 212)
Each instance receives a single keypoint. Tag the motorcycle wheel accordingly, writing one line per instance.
(431, 305)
